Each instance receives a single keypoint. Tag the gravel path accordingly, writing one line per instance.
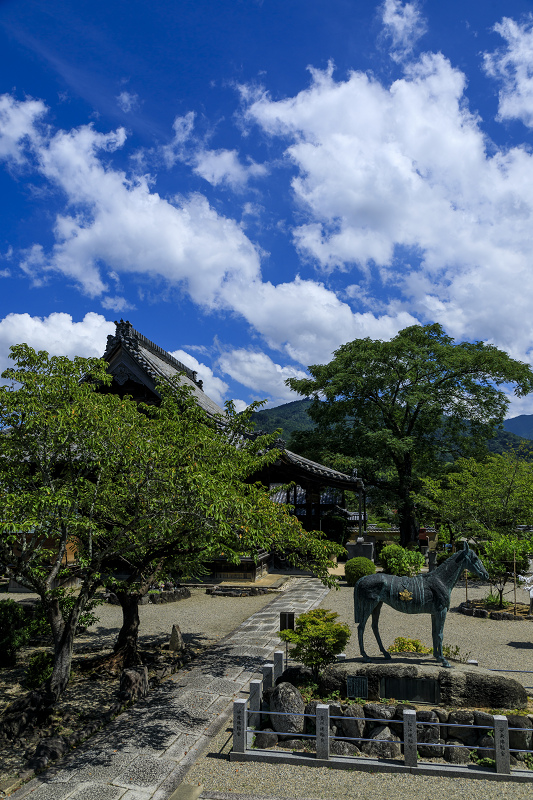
(202, 619)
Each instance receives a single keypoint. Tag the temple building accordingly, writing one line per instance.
(138, 364)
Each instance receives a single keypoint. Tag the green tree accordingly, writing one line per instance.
(402, 408)
(486, 501)
(479, 498)
(317, 638)
(503, 556)
(138, 489)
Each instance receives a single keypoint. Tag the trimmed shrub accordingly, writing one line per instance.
(357, 568)
(397, 560)
(317, 638)
(13, 631)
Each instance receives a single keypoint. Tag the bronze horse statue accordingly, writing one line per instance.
(422, 594)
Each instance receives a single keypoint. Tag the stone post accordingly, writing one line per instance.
(278, 664)
(501, 744)
(254, 719)
(268, 676)
(239, 726)
(322, 731)
(409, 738)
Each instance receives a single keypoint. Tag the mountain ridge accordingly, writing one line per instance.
(291, 417)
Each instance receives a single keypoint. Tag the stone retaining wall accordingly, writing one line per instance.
(180, 593)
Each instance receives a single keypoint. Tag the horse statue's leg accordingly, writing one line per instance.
(375, 627)
(360, 634)
(437, 625)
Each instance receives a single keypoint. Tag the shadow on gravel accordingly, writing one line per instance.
(521, 645)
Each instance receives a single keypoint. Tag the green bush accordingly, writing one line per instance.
(397, 560)
(40, 666)
(356, 568)
(13, 631)
(403, 645)
(317, 638)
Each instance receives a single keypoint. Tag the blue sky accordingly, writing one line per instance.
(252, 184)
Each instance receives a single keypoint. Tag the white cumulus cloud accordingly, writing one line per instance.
(513, 66)
(214, 387)
(58, 334)
(217, 167)
(18, 125)
(404, 24)
(259, 372)
(120, 222)
(407, 167)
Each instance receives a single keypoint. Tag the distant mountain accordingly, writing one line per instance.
(289, 417)
(521, 425)
(293, 416)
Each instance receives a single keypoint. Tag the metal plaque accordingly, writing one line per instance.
(421, 690)
(357, 686)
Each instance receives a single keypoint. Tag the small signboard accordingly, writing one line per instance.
(357, 686)
(286, 621)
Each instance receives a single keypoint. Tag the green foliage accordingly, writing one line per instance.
(130, 492)
(500, 554)
(403, 645)
(453, 651)
(401, 409)
(39, 626)
(479, 498)
(356, 568)
(13, 631)
(39, 670)
(287, 418)
(398, 560)
(317, 638)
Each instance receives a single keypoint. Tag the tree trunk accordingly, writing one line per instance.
(406, 508)
(126, 647)
(36, 706)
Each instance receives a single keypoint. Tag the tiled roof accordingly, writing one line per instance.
(157, 363)
(319, 469)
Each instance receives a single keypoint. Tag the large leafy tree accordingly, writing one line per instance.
(123, 488)
(476, 498)
(402, 408)
(486, 501)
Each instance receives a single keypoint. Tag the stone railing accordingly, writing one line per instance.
(333, 737)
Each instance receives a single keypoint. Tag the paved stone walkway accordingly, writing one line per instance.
(145, 753)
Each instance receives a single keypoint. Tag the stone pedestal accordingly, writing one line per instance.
(462, 685)
(360, 549)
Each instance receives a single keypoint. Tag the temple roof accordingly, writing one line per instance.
(133, 357)
(135, 361)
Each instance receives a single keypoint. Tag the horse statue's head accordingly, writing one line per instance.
(473, 563)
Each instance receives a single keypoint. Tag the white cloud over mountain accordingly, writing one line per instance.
(255, 370)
